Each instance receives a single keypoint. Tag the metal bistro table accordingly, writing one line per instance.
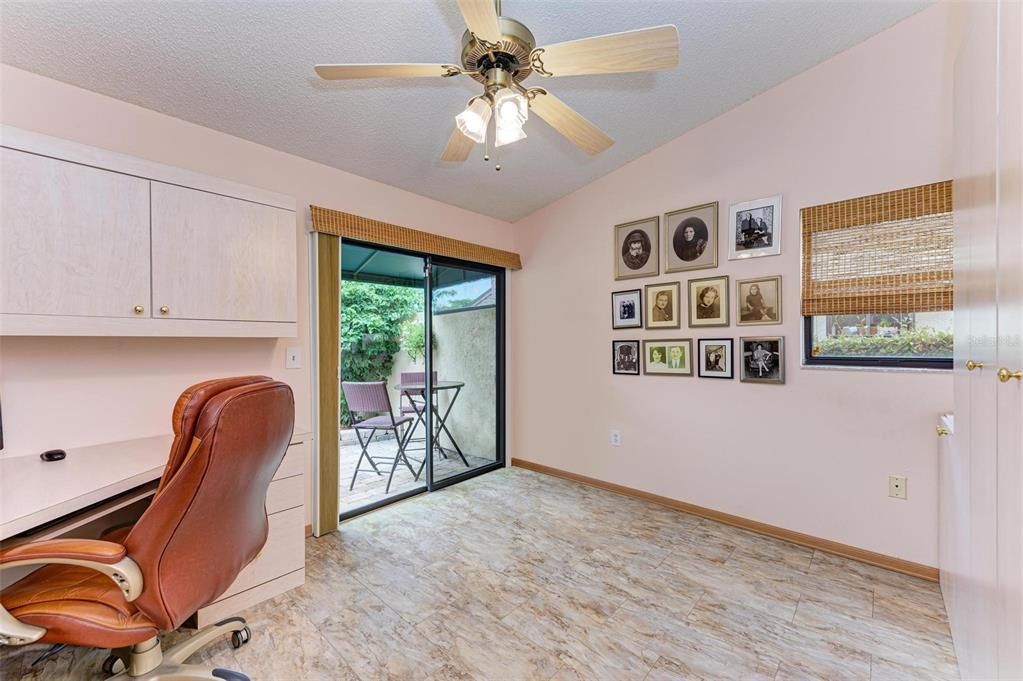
(411, 390)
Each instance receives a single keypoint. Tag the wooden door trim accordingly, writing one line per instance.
(328, 402)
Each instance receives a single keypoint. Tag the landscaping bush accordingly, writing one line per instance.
(918, 343)
(372, 316)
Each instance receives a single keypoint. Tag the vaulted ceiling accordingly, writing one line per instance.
(245, 68)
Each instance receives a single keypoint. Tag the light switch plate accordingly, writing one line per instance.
(293, 357)
(616, 438)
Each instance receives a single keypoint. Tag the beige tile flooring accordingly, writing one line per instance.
(517, 575)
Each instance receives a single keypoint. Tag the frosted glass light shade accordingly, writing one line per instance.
(511, 107)
(473, 121)
(506, 134)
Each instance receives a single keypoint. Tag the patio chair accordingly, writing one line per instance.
(414, 403)
(370, 400)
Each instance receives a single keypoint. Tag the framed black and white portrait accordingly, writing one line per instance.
(627, 309)
(763, 359)
(754, 228)
(673, 357)
(636, 249)
(625, 357)
(758, 301)
(708, 301)
(691, 238)
(714, 358)
(664, 306)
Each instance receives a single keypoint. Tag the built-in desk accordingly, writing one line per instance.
(34, 492)
(100, 486)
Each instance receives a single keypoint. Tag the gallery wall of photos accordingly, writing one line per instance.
(686, 240)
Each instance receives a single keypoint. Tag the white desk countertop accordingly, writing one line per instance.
(34, 492)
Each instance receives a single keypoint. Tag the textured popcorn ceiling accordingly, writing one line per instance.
(245, 67)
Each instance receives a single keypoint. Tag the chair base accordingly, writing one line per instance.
(147, 661)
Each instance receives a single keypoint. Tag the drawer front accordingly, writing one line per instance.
(286, 493)
(232, 605)
(283, 552)
(294, 460)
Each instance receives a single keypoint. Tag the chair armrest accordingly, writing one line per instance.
(105, 552)
(102, 556)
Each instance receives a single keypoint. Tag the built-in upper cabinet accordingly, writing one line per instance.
(94, 243)
(216, 257)
(75, 239)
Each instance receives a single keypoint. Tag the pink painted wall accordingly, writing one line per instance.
(67, 392)
(812, 455)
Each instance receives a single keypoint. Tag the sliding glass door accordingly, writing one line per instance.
(466, 335)
(422, 357)
(383, 298)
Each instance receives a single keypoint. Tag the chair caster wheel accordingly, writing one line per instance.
(110, 665)
(240, 638)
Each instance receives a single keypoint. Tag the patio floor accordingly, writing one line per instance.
(369, 487)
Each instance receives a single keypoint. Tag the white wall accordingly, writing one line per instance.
(812, 455)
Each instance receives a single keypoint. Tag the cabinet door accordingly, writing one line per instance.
(74, 240)
(220, 258)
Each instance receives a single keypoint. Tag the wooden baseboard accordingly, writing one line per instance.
(308, 530)
(864, 556)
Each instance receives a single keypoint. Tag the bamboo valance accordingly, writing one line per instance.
(883, 253)
(359, 228)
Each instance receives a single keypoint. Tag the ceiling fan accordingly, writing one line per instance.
(500, 53)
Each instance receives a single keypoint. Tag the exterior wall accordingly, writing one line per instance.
(812, 455)
(466, 348)
(69, 392)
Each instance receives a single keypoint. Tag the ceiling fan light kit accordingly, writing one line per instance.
(499, 53)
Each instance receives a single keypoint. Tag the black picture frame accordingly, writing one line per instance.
(639, 309)
(700, 367)
(637, 360)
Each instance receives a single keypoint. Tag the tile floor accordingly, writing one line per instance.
(370, 487)
(517, 575)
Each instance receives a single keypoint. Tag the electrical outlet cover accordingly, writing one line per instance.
(897, 486)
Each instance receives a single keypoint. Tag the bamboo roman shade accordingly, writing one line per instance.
(883, 253)
(350, 226)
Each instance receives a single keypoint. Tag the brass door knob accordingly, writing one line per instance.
(971, 365)
(164, 310)
(941, 430)
(1004, 375)
(139, 309)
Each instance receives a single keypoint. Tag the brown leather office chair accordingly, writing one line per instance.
(206, 522)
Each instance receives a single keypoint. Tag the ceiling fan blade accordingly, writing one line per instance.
(458, 147)
(481, 19)
(647, 49)
(570, 123)
(350, 71)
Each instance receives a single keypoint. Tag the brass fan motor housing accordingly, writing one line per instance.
(514, 47)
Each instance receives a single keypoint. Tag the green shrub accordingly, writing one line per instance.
(413, 339)
(919, 343)
(372, 316)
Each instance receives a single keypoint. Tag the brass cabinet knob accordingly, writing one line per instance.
(971, 365)
(1004, 375)
(941, 430)
(164, 310)
(139, 309)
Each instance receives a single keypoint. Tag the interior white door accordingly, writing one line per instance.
(972, 611)
(1010, 337)
(216, 257)
(74, 240)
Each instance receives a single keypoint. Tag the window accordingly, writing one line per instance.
(877, 279)
(466, 295)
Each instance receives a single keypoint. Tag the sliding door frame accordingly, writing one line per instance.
(500, 276)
